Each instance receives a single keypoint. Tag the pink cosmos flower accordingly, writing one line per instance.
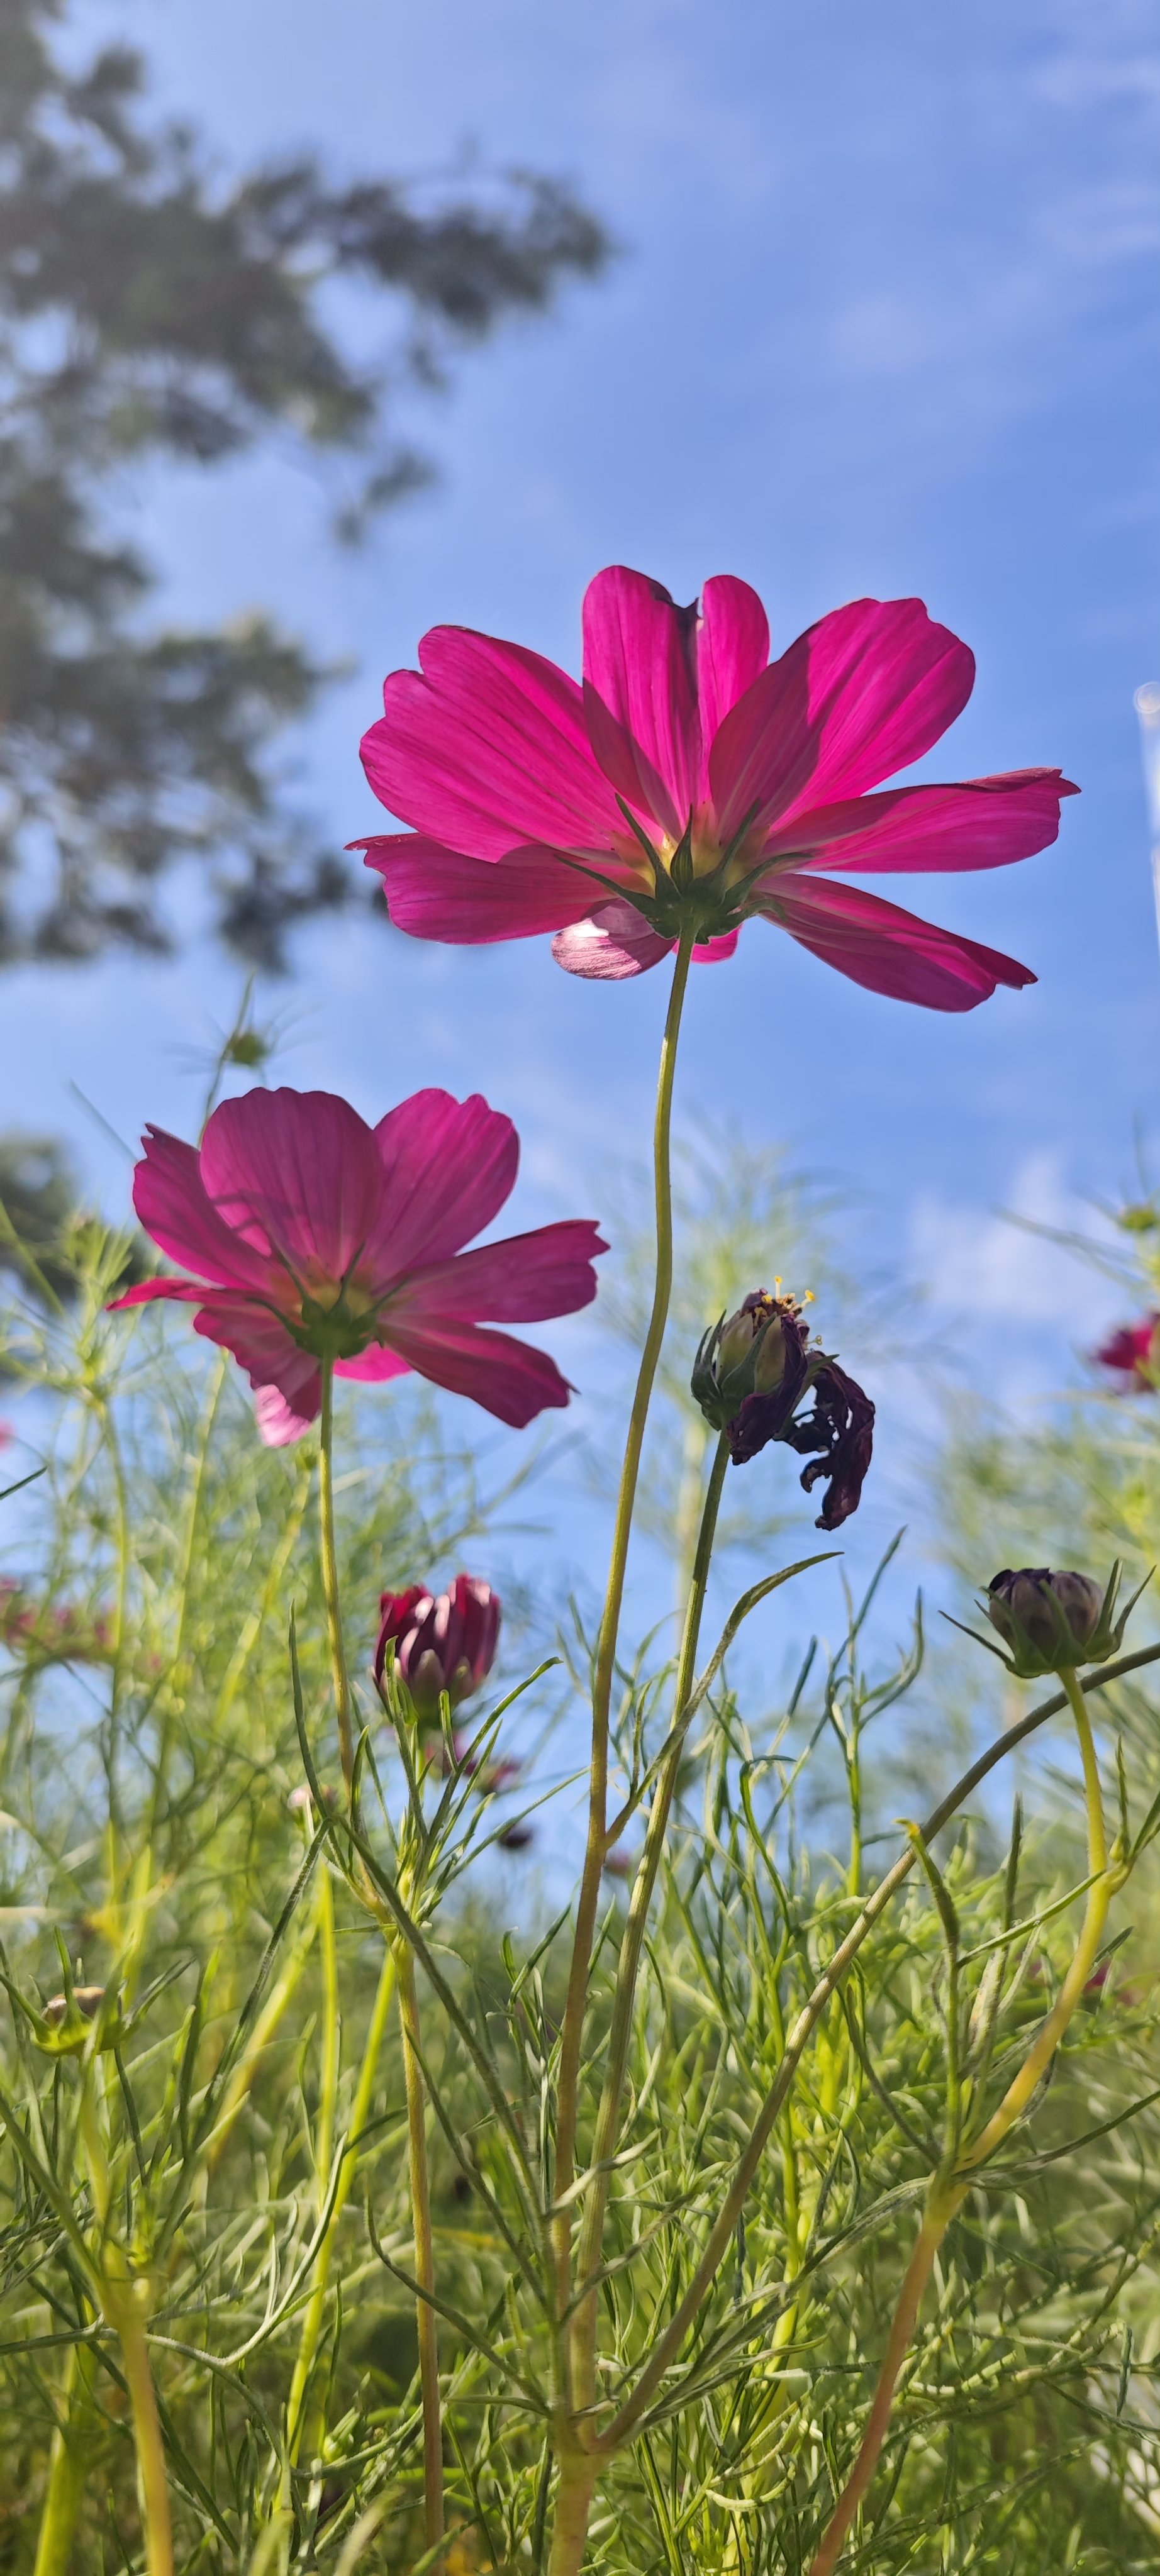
(1133, 1351)
(692, 780)
(318, 1237)
(443, 1642)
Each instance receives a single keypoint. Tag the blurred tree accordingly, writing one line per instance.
(150, 310)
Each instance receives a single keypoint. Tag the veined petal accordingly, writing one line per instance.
(297, 1174)
(732, 649)
(859, 695)
(488, 748)
(640, 660)
(521, 1281)
(887, 950)
(260, 1343)
(977, 823)
(506, 1376)
(434, 893)
(189, 1291)
(170, 1197)
(446, 1166)
(614, 942)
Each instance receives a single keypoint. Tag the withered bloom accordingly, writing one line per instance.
(751, 1375)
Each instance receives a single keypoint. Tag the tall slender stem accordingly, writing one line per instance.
(424, 2248)
(70, 2460)
(338, 1667)
(571, 2040)
(632, 1944)
(951, 2185)
(152, 2484)
(1100, 1894)
(921, 2265)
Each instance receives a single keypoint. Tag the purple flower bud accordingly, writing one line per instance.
(1052, 1622)
(443, 1642)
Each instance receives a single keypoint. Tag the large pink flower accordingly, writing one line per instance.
(692, 782)
(319, 1237)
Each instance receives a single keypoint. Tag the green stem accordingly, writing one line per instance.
(360, 2114)
(632, 1944)
(721, 2234)
(950, 2187)
(571, 2039)
(573, 2507)
(127, 2314)
(1104, 1885)
(940, 2211)
(69, 2464)
(424, 2249)
(340, 1676)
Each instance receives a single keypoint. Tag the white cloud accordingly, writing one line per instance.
(976, 1261)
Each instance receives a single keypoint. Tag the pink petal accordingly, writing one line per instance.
(279, 1423)
(732, 648)
(981, 823)
(433, 893)
(488, 749)
(639, 660)
(714, 952)
(521, 1281)
(616, 941)
(373, 1367)
(262, 1346)
(296, 1173)
(861, 694)
(190, 1291)
(446, 1167)
(170, 1198)
(507, 1377)
(887, 950)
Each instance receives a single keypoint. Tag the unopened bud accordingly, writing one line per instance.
(1052, 1622)
(70, 2020)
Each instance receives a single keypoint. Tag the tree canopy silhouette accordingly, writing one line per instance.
(150, 309)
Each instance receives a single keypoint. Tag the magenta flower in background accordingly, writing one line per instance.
(1133, 1352)
(691, 780)
(443, 1641)
(320, 1238)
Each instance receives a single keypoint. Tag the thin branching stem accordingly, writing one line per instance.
(426, 2314)
(330, 1582)
(571, 2042)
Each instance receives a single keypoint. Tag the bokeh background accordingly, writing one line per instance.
(882, 318)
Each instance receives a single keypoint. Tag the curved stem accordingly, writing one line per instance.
(329, 1553)
(950, 2187)
(1100, 1894)
(595, 1853)
(723, 2230)
(632, 1945)
(424, 2248)
(940, 2212)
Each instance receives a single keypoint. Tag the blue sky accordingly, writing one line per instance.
(884, 320)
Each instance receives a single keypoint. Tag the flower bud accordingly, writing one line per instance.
(70, 2019)
(751, 1374)
(1133, 1353)
(1052, 1622)
(443, 1642)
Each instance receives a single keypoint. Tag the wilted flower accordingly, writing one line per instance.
(324, 1239)
(692, 783)
(443, 1642)
(751, 1374)
(1134, 1352)
(1052, 1622)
